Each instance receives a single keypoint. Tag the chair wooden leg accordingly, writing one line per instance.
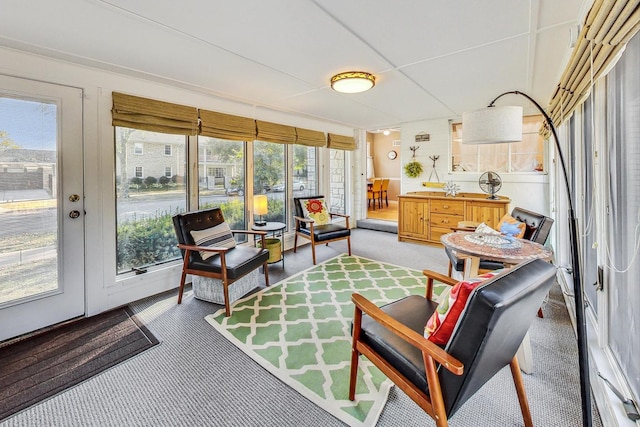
(540, 313)
(353, 374)
(227, 306)
(295, 242)
(349, 245)
(181, 290)
(313, 252)
(522, 395)
(450, 269)
(266, 273)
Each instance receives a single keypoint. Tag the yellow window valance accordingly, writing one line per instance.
(340, 142)
(152, 115)
(273, 132)
(311, 138)
(608, 27)
(227, 126)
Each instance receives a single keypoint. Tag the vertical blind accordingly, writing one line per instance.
(227, 126)
(151, 115)
(340, 142)
(609, 25)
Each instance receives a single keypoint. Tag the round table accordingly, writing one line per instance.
(494, 247)
(276, 229)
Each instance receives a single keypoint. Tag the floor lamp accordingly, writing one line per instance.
(504, 124)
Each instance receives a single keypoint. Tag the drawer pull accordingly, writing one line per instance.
(445, 206)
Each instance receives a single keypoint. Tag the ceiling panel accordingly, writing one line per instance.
(431, 59)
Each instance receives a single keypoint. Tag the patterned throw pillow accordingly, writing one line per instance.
(510, 223)
(220, 235)
(316, 209)
(485, 229)
(442, 322)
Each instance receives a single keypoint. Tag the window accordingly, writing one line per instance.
(137, 148)
(621, 263)
(144, 231)
(270, 172)
(167, 150)
(524, 156)
(221, 178)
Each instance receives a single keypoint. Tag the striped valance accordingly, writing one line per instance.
(151, 115)
(227, 126)
(608, 27)
(273, 132)
(311, 138)
(340, 142)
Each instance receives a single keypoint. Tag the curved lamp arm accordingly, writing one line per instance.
(583, 355)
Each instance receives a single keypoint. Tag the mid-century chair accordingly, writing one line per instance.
(318, 229)
(485, 339)
(374, 193)
(209, 249)
(537, 230)
(384, 191)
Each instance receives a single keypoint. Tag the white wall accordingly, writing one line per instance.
(529, 191)
(103, 289)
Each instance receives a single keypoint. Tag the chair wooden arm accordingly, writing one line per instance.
(346, 217)
(431, 276)
(420, 342)
(257, 233)
(218, 249)
(305, 220)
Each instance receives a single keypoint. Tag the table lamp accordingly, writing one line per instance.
(493, 125)
(260, 208)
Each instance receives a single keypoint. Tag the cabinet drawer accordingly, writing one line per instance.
(437, 232)
(447, 207)
(445, 221)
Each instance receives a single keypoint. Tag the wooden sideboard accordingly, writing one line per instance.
(424, 216)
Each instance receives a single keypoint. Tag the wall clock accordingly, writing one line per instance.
(392, 154)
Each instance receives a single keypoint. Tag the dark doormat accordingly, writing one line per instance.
(46, 364)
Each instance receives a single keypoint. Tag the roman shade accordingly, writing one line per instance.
(227, 126)
(311, 138)
(273, 132)
(151, 115)
(340, 142)
(608, 27)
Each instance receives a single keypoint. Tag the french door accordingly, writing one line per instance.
(41, 205)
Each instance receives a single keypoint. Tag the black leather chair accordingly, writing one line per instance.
(488, 333)
(318, 234)
(537, 230)
(227, 264)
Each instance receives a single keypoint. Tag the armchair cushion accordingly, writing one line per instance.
(327, 232)
(442, 322)
(240, 260)
(219, 235)
(509, 220)
(316, 209)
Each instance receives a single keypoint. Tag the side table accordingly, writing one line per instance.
(276, 230)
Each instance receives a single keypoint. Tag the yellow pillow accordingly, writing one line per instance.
(510, 223)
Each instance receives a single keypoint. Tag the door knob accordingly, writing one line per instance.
(74, 214)
(74, 198)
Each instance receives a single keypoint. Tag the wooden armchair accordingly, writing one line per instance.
(209, 249)
(485, 339)
(313, 222)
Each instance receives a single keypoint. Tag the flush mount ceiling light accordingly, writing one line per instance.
(353, 82)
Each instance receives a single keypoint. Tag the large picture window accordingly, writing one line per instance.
(221, 178)
(147, 198)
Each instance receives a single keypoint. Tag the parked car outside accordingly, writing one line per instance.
(297, 185)
(234, 191)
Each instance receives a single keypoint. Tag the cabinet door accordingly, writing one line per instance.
(412, 218)
(488, 212)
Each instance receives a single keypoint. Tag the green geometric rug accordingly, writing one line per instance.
(299, 330)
